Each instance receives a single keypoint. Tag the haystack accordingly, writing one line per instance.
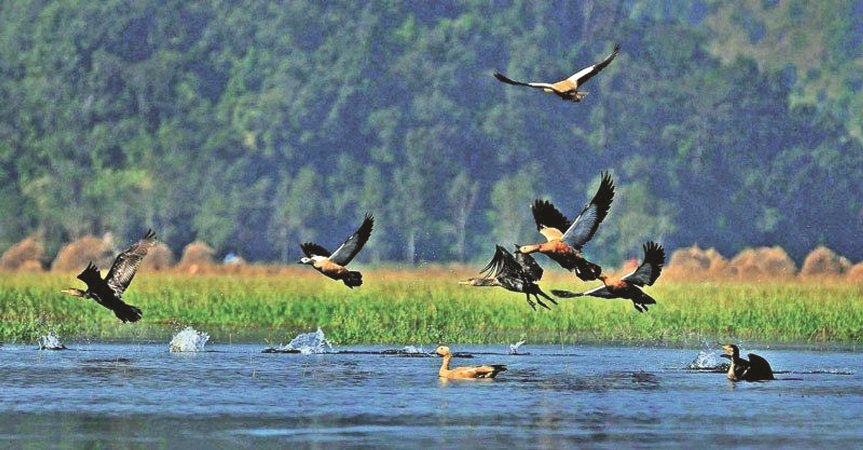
(159, 257)
(196, 256)
(824, 262)
(763, 262)
(25, 255)
(855, 273)
(695, 263)
(75, 256)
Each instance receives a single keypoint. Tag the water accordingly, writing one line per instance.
(189, 340)
(50, 341)
(142, 396)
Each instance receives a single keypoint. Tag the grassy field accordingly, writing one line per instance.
(427, 307)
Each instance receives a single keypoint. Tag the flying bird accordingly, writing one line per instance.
(517, 272)
(333, 264)
(108, 292)
(566, 89)
(564, 239)
(629, 286)
(756, 369)
(465, 373)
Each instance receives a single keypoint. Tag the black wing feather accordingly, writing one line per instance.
(650, 268)
(599, 66)
(126, 264)
(545, 214)
(311, 249)
(585, 225)
(346, 252)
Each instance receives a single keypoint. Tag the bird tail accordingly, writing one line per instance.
(565, 294)
(587, 271)
(353, 279)
(641, 301)
(128, 313)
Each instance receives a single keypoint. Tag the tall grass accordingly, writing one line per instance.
(429, 307)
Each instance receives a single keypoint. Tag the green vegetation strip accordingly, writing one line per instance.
(399, 310)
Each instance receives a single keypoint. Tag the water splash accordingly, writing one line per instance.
(513, 348)
(411, 350)
(708, 361)
(188, 340)
(307, 344)
(50, 341)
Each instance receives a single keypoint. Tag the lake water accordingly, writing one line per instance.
(142, 396)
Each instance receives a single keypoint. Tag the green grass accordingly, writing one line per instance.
(403, 308)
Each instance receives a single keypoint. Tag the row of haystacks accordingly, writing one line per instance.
(29, 255)
(691, 263)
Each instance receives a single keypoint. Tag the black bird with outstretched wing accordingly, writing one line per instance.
(108, 292)
(514, 272)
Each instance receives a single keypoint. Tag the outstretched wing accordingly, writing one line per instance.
(346, 252)
(90, 275)
(650, 268)
(581, 77)
(585, 225)
(123, 270)
(528, 265)
(546, 215)
(311, 249)
(503, 78)
(502, 263)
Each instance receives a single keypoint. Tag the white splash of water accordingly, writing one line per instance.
(188, 340)
(410, 350)
(513, 348)
(706, 360)
(50, 341)
(309, 343)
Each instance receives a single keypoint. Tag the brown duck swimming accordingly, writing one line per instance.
(565, 239)
(756, 369)
(514, 272)
(108, 292)
(629, 285)
(333, 264)
(566, 89)
(465, 373)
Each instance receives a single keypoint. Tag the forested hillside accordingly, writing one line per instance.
(255, 125)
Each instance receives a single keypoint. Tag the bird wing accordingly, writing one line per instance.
(311, 249)
(759, 366)
(529, 266)
(581, 77)
(126, 264)
(91, 276)
(599, 291)
(502, 263)
(507, 80)
(346, 252)
(650, 268)
(585, 225)
(546, 215)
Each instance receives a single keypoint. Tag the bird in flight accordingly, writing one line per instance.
(566, 89)
(565, 239)
(108, 292)
(629, 285)
(516, 273)
(333, 264)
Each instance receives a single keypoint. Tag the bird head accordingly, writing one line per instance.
(73, 292)
(305, 260)
(731, 351)
(527, 249)
(442, 350)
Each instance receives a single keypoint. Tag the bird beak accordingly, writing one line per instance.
(300, 262)
(725, 356)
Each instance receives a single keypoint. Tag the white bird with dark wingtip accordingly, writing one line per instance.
(333, 264)
(566, 89)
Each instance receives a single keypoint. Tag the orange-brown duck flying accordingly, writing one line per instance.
(565, 239)
(514, 272)
(756, 369)
(465, 373)
(566, 89)
(108, 292)
(629, 285)
(333, 264)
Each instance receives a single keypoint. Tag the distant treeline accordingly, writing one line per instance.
(254, 126)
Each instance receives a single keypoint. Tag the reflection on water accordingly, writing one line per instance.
(137, 395)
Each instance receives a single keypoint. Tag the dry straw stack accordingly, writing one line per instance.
(197, 257)
(26, 255)
(823, 262)
(75, 256)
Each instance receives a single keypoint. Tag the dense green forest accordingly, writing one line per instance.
(255, 125)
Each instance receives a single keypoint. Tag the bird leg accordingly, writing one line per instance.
(529, 301)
